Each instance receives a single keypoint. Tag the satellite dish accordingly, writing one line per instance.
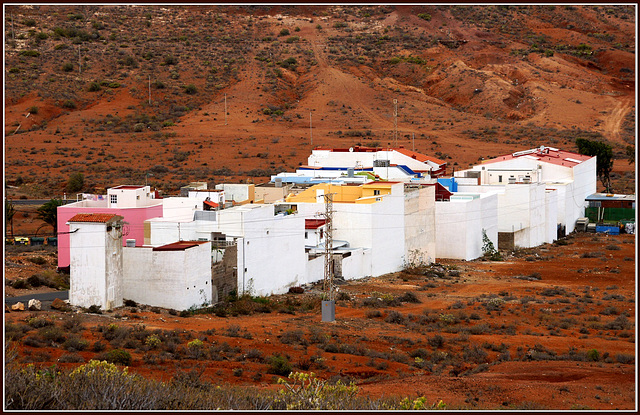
(350, 149)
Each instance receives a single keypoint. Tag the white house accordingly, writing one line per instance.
(96, 260)
(370, 225)
(269, 246)
(388, 163)
(572, 175)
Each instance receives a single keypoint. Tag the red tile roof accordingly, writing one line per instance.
(210, 203)
(94, 217)
(547, 155)
(179, 246)
(127, 186)
(418, 156)
(314, 223)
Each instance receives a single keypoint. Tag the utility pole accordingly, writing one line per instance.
(149, 89)
(329, 304)
(413, 141)
(13, 34)
(310, 129)
(395, 122)
(225, 109)
(79, 60)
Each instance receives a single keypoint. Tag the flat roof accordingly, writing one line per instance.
(545, 154)
(357, 149)
(127, 186)
(179, 246)
(610, 196)
(94, 217)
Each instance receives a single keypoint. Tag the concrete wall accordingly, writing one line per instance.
(459, 225)
(357, 265)
(420, 224)
(238, 192)
(170, 279)
(551, 215)
(376, 226)
(135, 218)
(271, 256)
(96, 266)
(225, 274)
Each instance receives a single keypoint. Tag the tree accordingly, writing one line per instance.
(49, 213)
(9, 211)
(631, 154)
(604, 158)
(75, 183)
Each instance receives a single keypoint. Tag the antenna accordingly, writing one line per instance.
(395, 121)
(329, 305)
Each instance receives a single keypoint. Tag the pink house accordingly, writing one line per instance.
(134, 203)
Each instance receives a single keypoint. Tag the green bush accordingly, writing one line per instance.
(94, 87)
(190, 89)
(32, 53)
(425, 16)
(279, 365)
(118, 356)
(285, 32)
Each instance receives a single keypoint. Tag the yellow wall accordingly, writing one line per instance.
(342, 194)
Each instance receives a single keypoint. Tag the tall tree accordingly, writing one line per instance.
(49, 213)
(604, 160)
(9, 212)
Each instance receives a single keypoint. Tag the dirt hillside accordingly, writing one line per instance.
(116, 92)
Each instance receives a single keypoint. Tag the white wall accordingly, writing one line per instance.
(169, 279)
(551, 215)
(459, 225)
(357, 265)
(420, 224)
(96, 266)
(131, 197)
(271, 248)
(237, 192)
(326, 158)
(377, 226)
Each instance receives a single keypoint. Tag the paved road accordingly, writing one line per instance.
(37, 202)
(63, 295)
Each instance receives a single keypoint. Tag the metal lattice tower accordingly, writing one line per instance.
(328, 245)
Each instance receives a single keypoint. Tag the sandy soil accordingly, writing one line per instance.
(487, 356)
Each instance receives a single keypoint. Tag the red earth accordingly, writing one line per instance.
(515, 334)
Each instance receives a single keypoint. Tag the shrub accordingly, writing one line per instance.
(94, 87)
(118, 356)
(71, 358)
(20, 284)
(293, 337)
(279, 365)
(52, 334)
(152, 341)
(31, 53)
(425, 16)
(593, 355)
(394, 317)
(409, 297)
(436, 341)
(75, 343)
(285, 32)
(190, 89)
(68, 104)
(373, 314)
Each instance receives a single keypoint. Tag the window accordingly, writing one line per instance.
(113, 199)
(306, 235)
(500, 179)
(138, 197)
(376, 192)
(321, 233)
